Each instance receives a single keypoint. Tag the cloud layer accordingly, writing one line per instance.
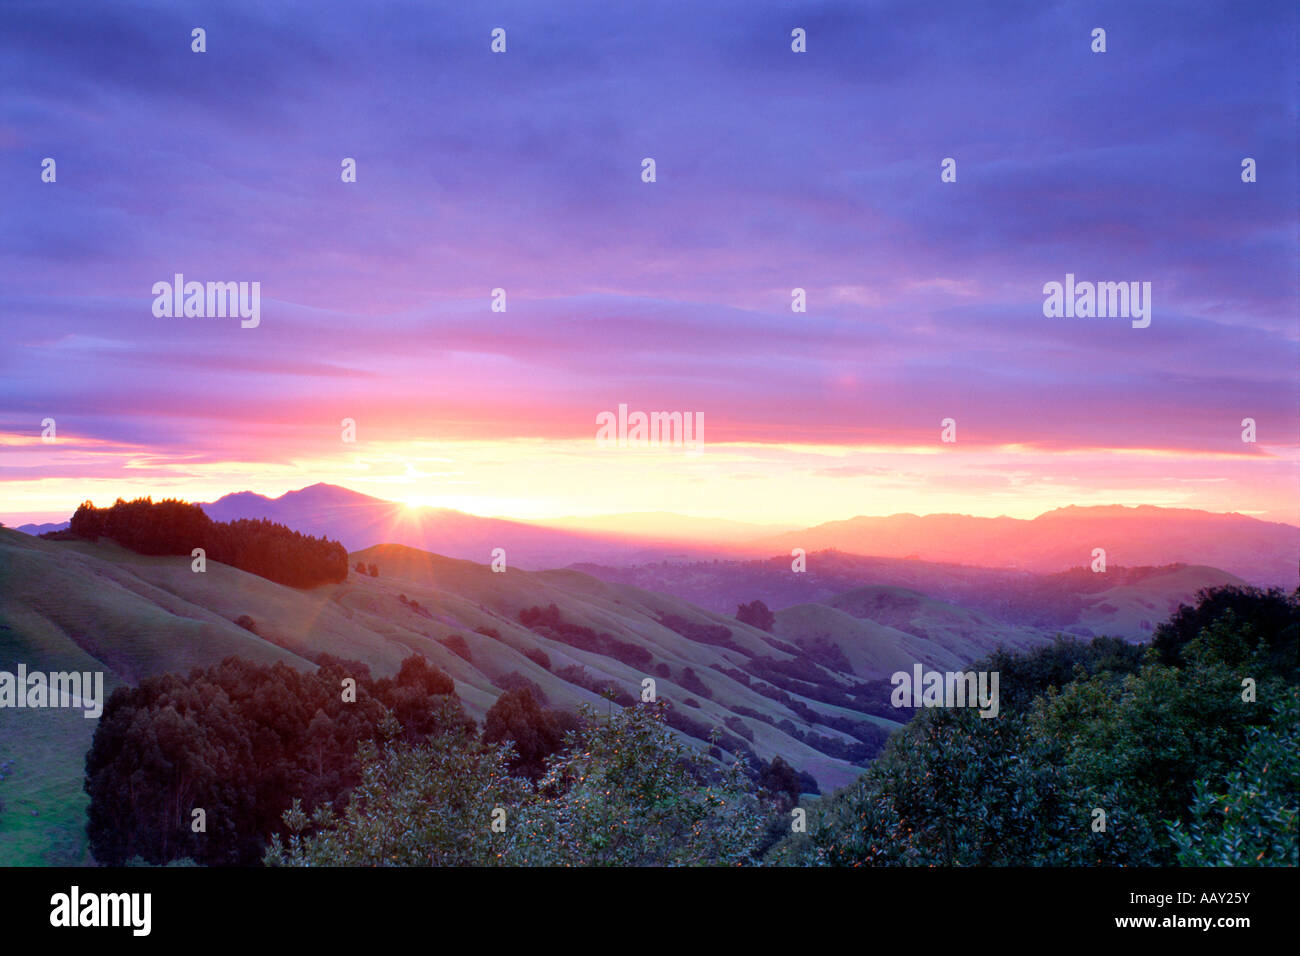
(775, 170)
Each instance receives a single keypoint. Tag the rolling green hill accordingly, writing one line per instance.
(882, 629)
(951, 603)
(810, 691)
(943, 635)
(73, 606)
(1137, 608)
(96, 606)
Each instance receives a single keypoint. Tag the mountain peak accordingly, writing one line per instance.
(237, 496)
(324, 493)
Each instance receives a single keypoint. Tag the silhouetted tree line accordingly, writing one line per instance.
(692, 682)
(577, 674)
(781, 679)
(870, 737)
(550, 623)
(238, 740)
(257, 546)
(714, 634)
(862, 697)
(245, 742)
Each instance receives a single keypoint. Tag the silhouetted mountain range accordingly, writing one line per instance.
(1259, 552)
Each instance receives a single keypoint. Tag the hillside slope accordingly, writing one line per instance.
(66, 606)
(1121, 602)
(98, 607)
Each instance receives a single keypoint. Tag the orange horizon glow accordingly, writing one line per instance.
(784, 485)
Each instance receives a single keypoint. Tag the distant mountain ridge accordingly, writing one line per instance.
(361, 521)
(35, 529)
(1260, 552)
(666, 525)
(814, 690)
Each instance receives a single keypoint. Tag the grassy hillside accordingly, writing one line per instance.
(460, 596)
(883, 629)
(1009, 604)
(70, 606)
(941, 631)
(811, 691)
(874, 650)
(1137, 608)
(95, 606)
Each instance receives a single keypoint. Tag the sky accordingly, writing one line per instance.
(774, 170)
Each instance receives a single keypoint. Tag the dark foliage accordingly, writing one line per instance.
(548, 622)
(783, 646)
(1023, 676)
(756, 614)
(538, 657)
(714, 634)
(1190, 762)
(804, 678)
(691, 681)
(808, 783)
(827, 653)
(174, 527)
(870, 738)
(687, 725)
(239, 740)
(537, 733)
(605, 688)
(1273, 614)
(458, 646)
(517, 681)
(781, 781)
(740, 727)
